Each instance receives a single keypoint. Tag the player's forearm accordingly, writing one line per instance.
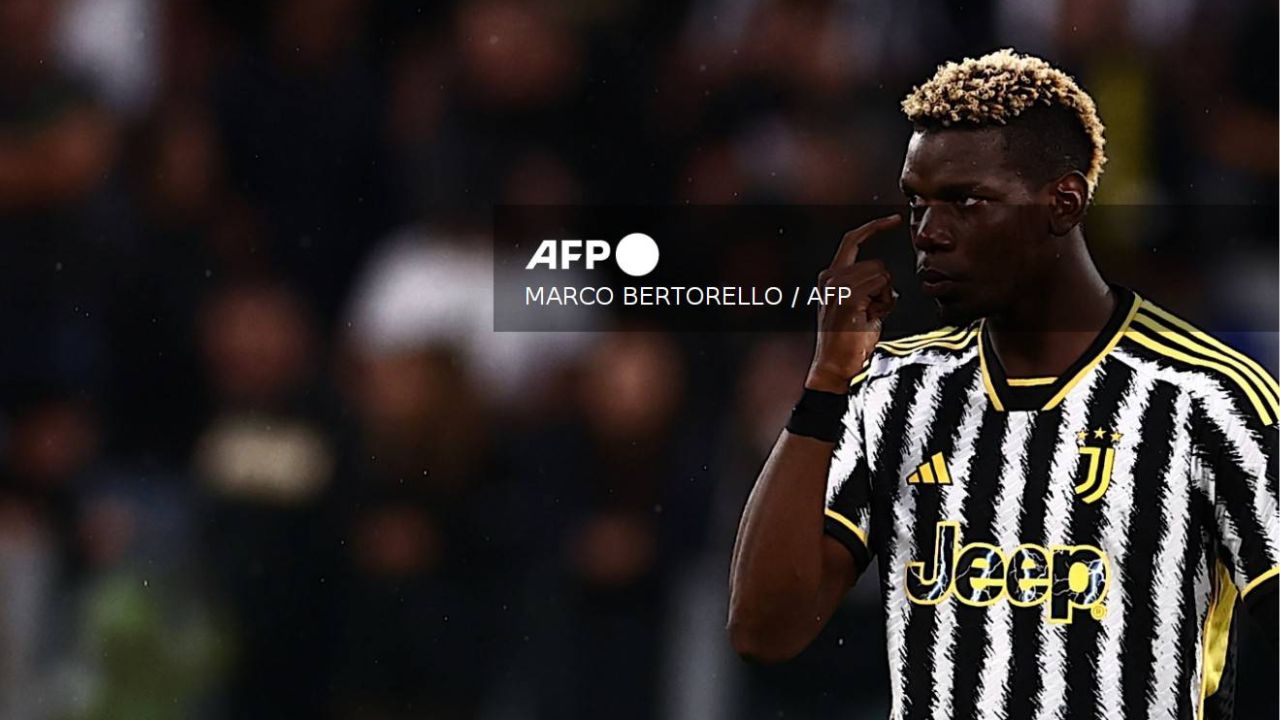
(786, 577)
(779, 595)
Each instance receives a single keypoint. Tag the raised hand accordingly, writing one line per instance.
(848, 331)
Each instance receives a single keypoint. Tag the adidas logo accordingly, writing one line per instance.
(933, 472)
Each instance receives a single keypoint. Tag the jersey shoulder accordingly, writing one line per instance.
(950, 344)
(1203, 364)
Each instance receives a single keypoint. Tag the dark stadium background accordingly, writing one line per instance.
(261, 454)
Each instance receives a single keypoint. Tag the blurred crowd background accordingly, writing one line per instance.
(261, 453)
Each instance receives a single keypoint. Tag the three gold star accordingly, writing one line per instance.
(1100, 434)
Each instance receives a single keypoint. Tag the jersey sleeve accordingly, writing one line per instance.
(848, 510)
(1241, 463)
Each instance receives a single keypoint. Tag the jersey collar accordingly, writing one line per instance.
(1047, 393)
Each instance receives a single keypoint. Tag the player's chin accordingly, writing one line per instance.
(954, 310)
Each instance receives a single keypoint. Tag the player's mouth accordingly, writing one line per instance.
(934, 282)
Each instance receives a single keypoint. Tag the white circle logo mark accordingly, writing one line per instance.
(637, 254)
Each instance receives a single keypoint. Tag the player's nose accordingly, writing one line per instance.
(929, 232)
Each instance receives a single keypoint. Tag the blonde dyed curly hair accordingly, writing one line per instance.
(1000, 86)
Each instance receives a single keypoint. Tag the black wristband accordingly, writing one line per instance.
(819, 415)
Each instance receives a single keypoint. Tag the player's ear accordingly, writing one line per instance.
(1069, 197)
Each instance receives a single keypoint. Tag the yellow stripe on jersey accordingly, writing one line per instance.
(1030, 382)
(917, 341)
(849, 524)
(1168, 335)
(1258, 405)
(1259, 373)
(1217, 631)
(1259, 580)
(986, 374)
(958, 342)
(1111, 344)
(911, 340)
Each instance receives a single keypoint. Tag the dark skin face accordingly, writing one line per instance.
(989, 242)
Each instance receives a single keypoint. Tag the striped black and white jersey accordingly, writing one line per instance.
(1069, 547)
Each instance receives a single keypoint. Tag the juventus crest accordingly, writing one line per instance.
(1099, 447)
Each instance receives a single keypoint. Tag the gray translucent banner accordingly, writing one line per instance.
(735, 269)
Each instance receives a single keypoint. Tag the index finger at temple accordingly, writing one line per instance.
(847, 254)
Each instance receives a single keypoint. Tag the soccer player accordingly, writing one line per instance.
(1071, 492)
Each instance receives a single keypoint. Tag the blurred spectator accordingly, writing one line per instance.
(29, 579)
(51, 445)
(56, 146)
(114, 43)
(433, 286)
(149, 639)
(302, 116)
(613, 509)
(425, 621)
(183, 232)
(267, 460)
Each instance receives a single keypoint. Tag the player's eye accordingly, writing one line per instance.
(970, 201)
(915, 209)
